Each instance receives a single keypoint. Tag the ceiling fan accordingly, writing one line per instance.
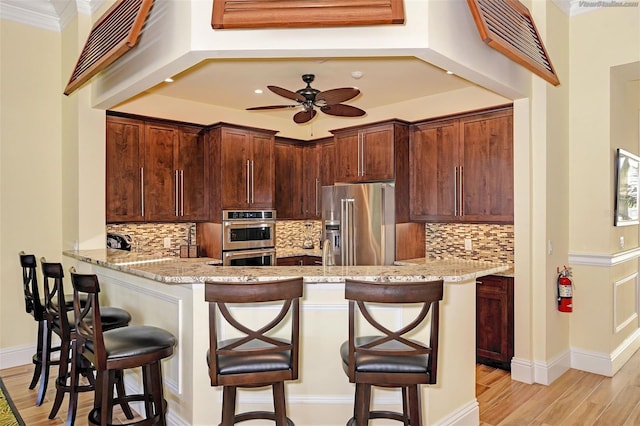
(328, 101)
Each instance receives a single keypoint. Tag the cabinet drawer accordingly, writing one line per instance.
(492, 284)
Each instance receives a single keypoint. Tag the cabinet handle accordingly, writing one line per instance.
(362, 170)
(247, 183)
(251, 181)
(142, 190)
(461, 181)
(455, 191)
(317, 184)
(181, 192)
(176, 203)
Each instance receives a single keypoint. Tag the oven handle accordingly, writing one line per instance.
(248, 223)
(245, 253)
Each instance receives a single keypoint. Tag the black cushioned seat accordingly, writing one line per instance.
(380, 363)
(239, 364)
(134, 341)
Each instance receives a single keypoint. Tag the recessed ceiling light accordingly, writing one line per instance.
(449, 72)
(356, 74)
(257, 91)
(168, 80)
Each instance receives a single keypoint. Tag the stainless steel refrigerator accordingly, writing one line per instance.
(359, 223)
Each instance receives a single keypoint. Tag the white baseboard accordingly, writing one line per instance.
(16, 355)
(522, 370)
(465, 416)
(603, 363)
(547, 372)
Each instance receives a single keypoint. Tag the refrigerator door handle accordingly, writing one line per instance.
(346, 231)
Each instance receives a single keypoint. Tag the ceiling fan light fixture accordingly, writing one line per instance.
(328, 101)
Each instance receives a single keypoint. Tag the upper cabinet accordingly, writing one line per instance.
(462, 169)
(124, 170)
(302, 168)
(367, 153)
(243, 168)
(156, 172)
(376, 152)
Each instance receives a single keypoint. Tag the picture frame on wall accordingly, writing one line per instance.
(627, 182)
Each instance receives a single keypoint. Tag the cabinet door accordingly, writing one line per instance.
(433, 171)
(262, 180)
(193, 202)
(327, 162)
(288, 184)
(311, 193)
(377, 153)
(234, 156)
(347, 156)
(494, 321)
(160, 178)
(487, 168)
(124, 169)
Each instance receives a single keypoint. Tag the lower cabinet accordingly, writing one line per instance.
(299, 261)
(494, 321)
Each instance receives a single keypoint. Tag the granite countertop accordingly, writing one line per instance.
(175, 270)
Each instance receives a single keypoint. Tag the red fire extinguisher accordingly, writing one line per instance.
(565, 290)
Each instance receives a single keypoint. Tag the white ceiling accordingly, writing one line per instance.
(383, 81)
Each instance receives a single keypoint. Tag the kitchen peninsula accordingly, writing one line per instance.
(169, 292)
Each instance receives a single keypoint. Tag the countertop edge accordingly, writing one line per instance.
(200, 270)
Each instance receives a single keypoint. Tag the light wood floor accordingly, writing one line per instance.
(17, 380)
(576, 398)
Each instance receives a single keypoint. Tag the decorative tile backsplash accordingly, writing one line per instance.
(149, 237)
(492, 243)
(291, 233)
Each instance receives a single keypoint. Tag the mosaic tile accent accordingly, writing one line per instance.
(291, 233)
(148, 238)
(489, 243)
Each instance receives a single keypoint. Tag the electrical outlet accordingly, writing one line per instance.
(467, 244)
(621, 242)
(549, 247)
(167, 242)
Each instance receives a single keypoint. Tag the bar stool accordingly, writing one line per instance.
(112, 351)
(389, 359)
(258, 358)
(34, 305)
(62, 323)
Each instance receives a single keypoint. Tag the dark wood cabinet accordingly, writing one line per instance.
(242, 168)
(288, 182)
(368, 154)
(299, 261)
(156, 171)
(461, 169)
(124, 169)
(302, 168)
(494, 321)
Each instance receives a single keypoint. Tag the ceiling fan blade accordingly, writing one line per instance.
(336, 96)
(271, 107)
(287, 93)
(304, 116)
(342, 110)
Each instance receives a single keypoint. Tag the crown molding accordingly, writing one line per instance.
(51, 15)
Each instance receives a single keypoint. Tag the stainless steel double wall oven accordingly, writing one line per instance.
(248, 237)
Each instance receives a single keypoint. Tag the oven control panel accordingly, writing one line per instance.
(248, 214)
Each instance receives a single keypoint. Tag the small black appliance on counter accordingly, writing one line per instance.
(119, 241)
